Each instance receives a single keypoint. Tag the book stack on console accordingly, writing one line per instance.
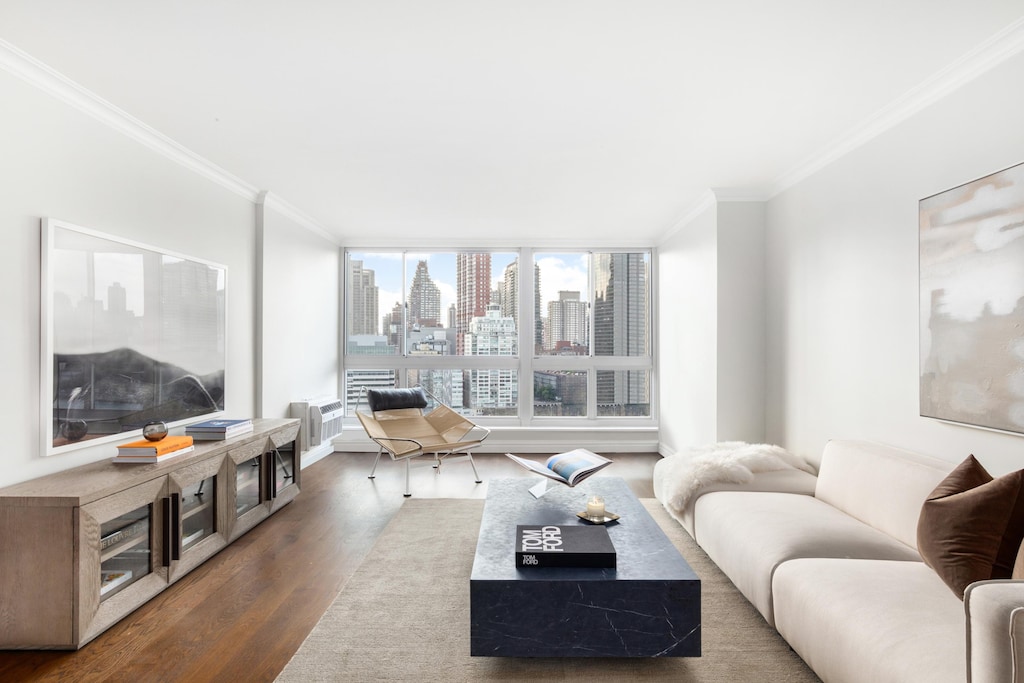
(109, 580)
(218, 430)
(564, 546)
(154, 451)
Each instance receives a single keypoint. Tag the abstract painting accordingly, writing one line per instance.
(972, 303)
(131, 334)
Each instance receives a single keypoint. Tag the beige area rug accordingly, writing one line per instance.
(404, 616)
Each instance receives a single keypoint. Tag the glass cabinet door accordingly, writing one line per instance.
(198, 507)
(126, 550)
(284, 467)
(197, 524)
(121, 555)
(248, 492)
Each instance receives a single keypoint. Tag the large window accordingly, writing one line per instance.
(592, 312)
(468, 325)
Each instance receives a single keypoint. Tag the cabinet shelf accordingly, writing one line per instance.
(195, 509)
(120, 547)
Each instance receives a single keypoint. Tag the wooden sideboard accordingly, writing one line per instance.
(82, 548)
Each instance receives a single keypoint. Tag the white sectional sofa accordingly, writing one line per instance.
(834, 567)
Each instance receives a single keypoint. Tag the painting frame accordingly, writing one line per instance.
(130, 333)
(971, 298)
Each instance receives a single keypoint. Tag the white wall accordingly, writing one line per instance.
(687, 334)
(299, 314)
(741, 322)
(60, 163)
(712, 328)
(842, 275)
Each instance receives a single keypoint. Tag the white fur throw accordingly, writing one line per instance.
(687, 472)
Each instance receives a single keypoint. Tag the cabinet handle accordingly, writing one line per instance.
(172, 529)
(268, 471)
(165, 555)
(176, 526)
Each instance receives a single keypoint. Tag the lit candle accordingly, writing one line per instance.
(595, 507)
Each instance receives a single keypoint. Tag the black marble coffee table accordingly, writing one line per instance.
(649, 606)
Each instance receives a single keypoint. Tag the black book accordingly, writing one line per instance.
(564, 546)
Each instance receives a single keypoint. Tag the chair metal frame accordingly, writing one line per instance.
(441, 432)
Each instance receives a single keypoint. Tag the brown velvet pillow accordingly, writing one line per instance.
(972, 525)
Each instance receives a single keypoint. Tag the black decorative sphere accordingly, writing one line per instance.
(73, 430)
(154, 431)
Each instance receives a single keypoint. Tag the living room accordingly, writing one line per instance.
(786, 307)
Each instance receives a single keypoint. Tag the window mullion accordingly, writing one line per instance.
(527, 333)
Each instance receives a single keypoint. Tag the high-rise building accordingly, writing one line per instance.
(620, 325)
(492, 391)
(567, 325)
(446, 385)
(362, 297)
(452, 311)
(492, 334)
(509, 293)
(424, 299)
(472, 291)
(192, 320)
(393, 325)
(427, 341)
(358, 380)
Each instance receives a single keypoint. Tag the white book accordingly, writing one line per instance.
(568, 468)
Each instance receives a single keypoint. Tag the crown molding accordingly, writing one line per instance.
(269, 200)
(989, 54)
(706, 201)
(741, 194)
(52, 82)
(714, 197)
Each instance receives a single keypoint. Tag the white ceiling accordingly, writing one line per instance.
(533, 121)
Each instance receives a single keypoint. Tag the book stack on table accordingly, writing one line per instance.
(218, 430)
(145, 451)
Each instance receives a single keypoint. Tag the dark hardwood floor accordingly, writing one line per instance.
(242, 615)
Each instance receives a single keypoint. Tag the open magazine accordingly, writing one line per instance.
(568, 468)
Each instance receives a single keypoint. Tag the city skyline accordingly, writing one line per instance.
(483, 321)
(559, 320)
(561, 271)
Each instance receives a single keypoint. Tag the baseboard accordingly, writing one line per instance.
(316, 453)
(618, 440)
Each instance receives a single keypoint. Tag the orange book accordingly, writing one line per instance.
(166, 445)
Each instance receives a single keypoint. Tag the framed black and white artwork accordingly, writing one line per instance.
(130, 334)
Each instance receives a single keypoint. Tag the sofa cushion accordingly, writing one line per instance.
(781, 481)
(748, 534)
(871, 620)
(880, 485)
(971, 525)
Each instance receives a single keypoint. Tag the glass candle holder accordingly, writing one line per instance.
(595, 506)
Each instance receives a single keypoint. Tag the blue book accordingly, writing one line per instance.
(218, 426)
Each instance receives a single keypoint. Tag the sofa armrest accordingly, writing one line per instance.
(1017, 642)
(995, 631)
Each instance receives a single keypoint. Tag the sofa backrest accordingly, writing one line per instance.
(880, 485)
